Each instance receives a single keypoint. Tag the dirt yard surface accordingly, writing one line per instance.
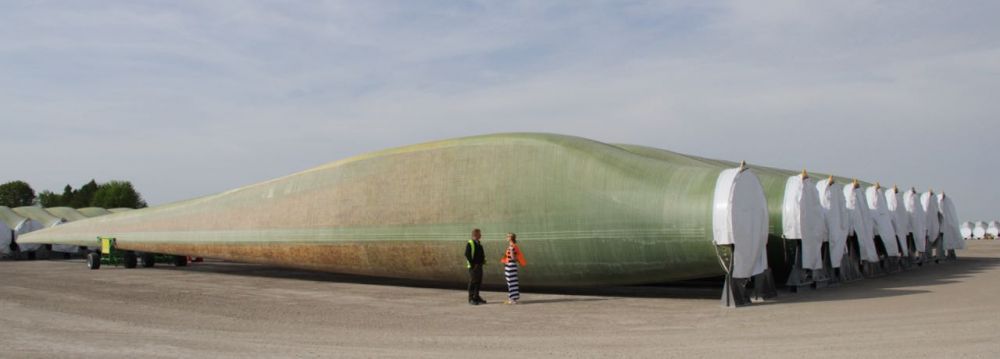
(59, 309)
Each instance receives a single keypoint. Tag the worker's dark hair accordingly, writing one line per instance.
(476, 230)
(513, 237)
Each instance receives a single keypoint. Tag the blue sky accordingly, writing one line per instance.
(193, 98)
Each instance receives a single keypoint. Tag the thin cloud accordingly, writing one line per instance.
(192, 98)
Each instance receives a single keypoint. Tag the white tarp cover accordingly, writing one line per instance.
(739, 217)
(802, 218)
(6, 236)
(900, 219)
(862, 224)
(993, 229)
(831, 198)
(966, 230)
(911, 202)
(949, 224)
(883, 220)
(929, 201)
(978, 230)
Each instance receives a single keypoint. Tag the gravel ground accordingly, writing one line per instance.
(226, 310)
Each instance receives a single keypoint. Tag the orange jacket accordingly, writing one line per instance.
(520, 256)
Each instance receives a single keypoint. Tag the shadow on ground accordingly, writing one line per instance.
(896, 284)
(890, 285)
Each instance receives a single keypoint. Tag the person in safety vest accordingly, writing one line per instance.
(474, 259)
(511, 259)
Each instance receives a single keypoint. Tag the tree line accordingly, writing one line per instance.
(111, 194)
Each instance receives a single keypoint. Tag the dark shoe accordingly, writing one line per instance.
(481, 300)
(473, 302)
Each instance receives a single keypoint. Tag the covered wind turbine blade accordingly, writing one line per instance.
(931, 206)
(66, 213)
(774, 182)
(6, 238)
(93, 211)
(69, 214)
(900, 219)
(763, 278)
(978, 230)
(949, 224)
(802, 218)
(928, 200)
(587, 213)
(966, 230)
(39, 215)
(47, 220)
(836, 217)
(917, 219)
(883, 220)
(739, 218)
(16, 225)
(862, 222)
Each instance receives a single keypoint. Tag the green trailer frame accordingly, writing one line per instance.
(110, 254)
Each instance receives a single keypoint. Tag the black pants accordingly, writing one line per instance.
(475, 281)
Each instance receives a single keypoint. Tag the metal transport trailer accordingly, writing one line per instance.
(110, 254)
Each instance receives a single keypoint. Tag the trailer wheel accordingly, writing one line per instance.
(129, 259)
(180, 261)
(148, 260)
(94, 260)
(32, 256)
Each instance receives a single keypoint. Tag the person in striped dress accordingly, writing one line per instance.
(512, 259)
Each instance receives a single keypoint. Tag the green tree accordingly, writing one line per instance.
(16, 194)
(84, 197)
(114, 194)
(50, 199)
(66, 198)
